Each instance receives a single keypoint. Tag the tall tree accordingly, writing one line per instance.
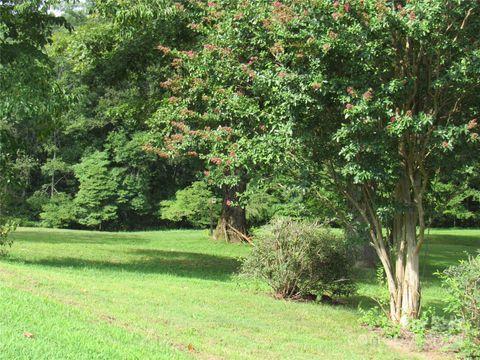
(28, 96)
(382, 94)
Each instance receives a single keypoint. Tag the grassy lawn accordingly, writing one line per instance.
(174, 295)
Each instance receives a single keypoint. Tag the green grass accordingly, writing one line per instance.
(174, 295)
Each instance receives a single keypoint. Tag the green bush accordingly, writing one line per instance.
(196, 204)
(462, 283)
(300, 259)
(5, 229)
(58, 212)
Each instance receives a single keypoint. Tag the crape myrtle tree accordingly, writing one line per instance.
(407, 76)
(383, 95)
(226, 106)
(399, 87)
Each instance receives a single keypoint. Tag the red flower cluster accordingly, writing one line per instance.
(179, 125)
(187, 112)
(192, 153)
(176, 63)
(227, 129)
(216, 160)
(210, 47)
(150, 149)
(177, 138)
(167, 84)
(190, 53)
(282, 13)
(367, 95)
(472, 124)
(351, 91)
(332, 34)
(252, 60)
(276, 49)
(164, 49)
(346, 7)
(349, 106)
(282, 74)
(445, 145)
(336, 15)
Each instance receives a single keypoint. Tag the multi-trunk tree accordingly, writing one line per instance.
(382, 94)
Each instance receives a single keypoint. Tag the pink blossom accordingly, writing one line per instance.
(472, 124)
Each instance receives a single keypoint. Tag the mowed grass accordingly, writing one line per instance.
(175, 295)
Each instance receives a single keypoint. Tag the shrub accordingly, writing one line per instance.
(462, 283)
(300, 259)
(5, 229)
(58, 212)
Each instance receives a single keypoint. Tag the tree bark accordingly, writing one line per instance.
(232, 217)
(405, 289)
(398, 254)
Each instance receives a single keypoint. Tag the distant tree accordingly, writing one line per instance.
(59, 211)
(28, 96)
(94, 205)
(196, 204)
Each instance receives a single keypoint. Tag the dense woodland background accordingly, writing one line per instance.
(74, 148)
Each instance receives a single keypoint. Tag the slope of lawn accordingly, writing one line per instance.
(174, 295)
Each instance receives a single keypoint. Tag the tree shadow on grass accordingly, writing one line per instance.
(150, 261)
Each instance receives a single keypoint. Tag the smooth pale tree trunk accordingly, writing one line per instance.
(399, 254)
(232, 225)
(402, 265)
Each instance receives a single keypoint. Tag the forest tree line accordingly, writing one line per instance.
(93, 112)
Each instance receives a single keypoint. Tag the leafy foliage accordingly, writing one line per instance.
(93, 202)
(298, 259)
(462, 283)
(59, 211)
(196, 204)
(5, 228)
